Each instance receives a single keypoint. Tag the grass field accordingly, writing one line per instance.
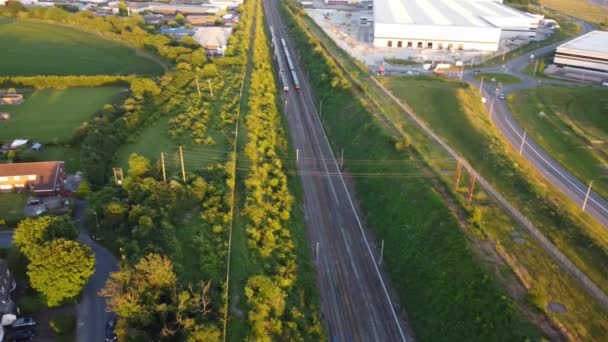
(572, 125)
(52, 115)
(11, 206)
(498, 78)
(35, 48)
(583, 9)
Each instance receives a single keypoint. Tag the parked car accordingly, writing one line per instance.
(605, 84)
(21, 335)
(501, 96)
(33, 201)
(23, 322)
(110, 334)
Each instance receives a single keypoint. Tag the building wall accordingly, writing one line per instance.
(581, 62)
(469, 38)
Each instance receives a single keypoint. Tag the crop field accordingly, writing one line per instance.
(52, 115)
(583, 9)
(570, 123)
(36, 48)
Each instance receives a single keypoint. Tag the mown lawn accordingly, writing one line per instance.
(498, 78)
(572, 125)
(52, 115)
(36, 48)
(11, 206)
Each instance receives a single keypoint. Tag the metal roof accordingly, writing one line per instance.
(441, 12)
(595, 41)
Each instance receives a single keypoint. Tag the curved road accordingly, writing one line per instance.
(91, 311)
(574, 188)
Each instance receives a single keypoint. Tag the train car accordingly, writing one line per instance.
(292, 68)
(284, 80)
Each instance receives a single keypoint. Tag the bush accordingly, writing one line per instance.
(63, 325)
(30, 303)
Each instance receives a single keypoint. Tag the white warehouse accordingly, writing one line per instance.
(589, 51)
(449, 24)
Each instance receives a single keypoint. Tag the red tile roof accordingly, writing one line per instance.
(48, 174)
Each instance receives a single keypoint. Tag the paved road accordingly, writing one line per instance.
(356, 304)
(6, 238)
(91, 310)
(504, 120)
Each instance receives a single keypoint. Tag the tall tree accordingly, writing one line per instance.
(32, 233)
(60, 269)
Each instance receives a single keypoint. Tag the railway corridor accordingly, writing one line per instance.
(356, 303)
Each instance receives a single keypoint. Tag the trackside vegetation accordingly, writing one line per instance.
(447, 294)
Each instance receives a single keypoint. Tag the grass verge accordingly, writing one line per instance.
(570, 124)
(498, 78)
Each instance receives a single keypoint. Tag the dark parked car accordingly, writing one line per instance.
(21, 335)
(23, 322)
(110, 335)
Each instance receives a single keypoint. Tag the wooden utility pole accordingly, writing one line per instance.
(458, 174)
(471, 189)
(181, 159)
(297, 154)
(481, 86)
(342, 159)
(210, 87)
(587, 195)
(198, 87)
(162, 163)
(118, 175)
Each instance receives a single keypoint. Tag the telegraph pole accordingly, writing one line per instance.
(491, 108)
(210, 87)
(317, 253)
(381, 252)
(481, 86)
(342, 159)
(181, 159)
(587, 195)
(162, 163)
(458, 173)
(523, 141)
(297, 154)
(471, 189)
(320, 107)
(198, 87)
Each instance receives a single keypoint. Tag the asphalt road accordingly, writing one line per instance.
(356, 301)
(503, 119)
(91, 311)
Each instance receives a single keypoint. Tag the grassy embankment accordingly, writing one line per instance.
(37, 48)
(461, 119)
(498, 78)
(543, 281)
(584, 9)
(571, 124)
(446, 292)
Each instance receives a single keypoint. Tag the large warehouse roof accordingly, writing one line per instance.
(480, 13)
(594, 41)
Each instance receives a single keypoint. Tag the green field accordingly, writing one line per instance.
(583, 9)
(36, 48)
(498, 78)
(11, 206)
(52, 115)
(572, 125)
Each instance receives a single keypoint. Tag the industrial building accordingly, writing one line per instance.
(589, 51)
(449, 24)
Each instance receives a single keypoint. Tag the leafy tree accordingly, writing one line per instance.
(139, 166)
(30, 234)
(179, 18)
(142, 86)
(209, 71)
(61, 227)
(60, 269)
(83, 190)
(267, 303)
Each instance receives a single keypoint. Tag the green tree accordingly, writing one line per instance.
(179, 18)
(139, 166)
(209, 71)
(83, 190)
(267, 303)
(60, 269)
(143, 86)
(61, 227)
(30, 233)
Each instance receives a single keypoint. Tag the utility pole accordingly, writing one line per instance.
(481, 86)
(210, 87)
(118, 175)
(491, 108)
(320, 107)
(587, 195)
(523, 142)
(381, 252)
(342, 159)
(297, 154)
(535, 65)
(471, 189)
(317, 253)
(458, 174)
(162, 163)
(181, 159)
(198, 87)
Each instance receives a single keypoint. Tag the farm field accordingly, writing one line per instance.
(52, 115)
(36, 48)
(583, 9)
(570, 123)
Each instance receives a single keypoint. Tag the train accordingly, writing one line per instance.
(276, 52)
(292, 68)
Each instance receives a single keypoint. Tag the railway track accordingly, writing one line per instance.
(356, 304)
